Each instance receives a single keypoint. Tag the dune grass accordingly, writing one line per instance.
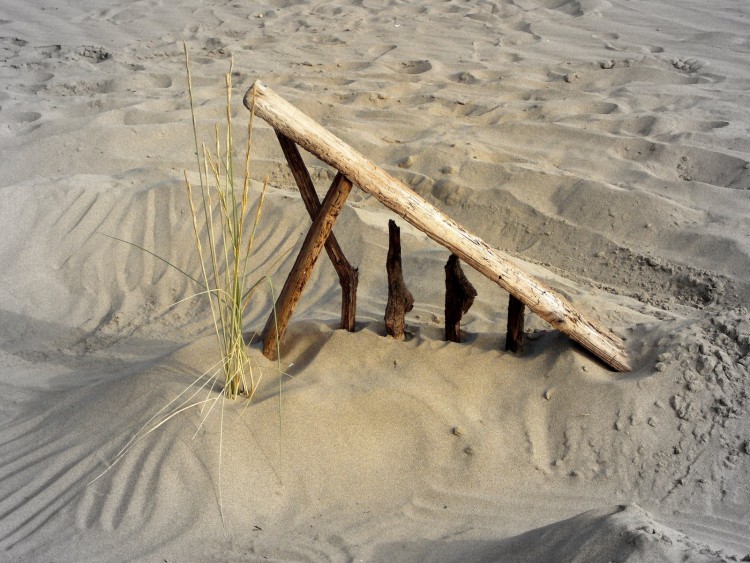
(220, 213)
(225, 227)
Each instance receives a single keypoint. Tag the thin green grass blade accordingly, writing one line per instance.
(147, 251)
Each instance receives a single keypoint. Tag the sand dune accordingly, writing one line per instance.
(602, 144)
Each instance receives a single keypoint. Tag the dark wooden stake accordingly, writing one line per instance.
(303, 266)
(400, 300)
(514, 336)
(459, 297)
(348, 275)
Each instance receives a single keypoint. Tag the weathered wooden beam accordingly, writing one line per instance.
(348, 275)
(397, 196)
(400, 300)
(303, 266)
(514, 335)
(459, 297)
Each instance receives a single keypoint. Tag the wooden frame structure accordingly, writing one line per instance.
(294, 127)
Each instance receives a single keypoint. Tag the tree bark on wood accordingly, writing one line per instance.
(459, 297)
(514, 336)
(400, 300)
(348, 275)
(303, 266)
(397, 196)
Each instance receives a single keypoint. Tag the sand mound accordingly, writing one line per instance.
(626, 533)
(604, 146)
(436, 443)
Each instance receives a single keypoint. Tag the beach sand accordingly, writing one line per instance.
(604, 144)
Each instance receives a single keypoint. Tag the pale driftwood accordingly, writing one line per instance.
(459, 297)
(400, 300)
(348, 275)
(303, 266)
(397, 196)
(514, 335)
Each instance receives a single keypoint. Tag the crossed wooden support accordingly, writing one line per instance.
(295, 128)
(324, 216)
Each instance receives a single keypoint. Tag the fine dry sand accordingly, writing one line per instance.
(602, 143)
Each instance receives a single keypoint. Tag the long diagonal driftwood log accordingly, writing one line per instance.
(398, 197)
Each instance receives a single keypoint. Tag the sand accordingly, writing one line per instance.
(603, 144)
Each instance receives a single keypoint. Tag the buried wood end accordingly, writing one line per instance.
(621, 362)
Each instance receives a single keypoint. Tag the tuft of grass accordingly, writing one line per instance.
(220, 214)
(222, 218)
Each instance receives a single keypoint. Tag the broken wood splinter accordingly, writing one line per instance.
(459, 297)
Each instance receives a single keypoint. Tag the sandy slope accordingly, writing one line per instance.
(603, 143)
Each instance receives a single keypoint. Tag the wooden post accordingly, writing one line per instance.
(400, 300)
(514, 336)
(459, 297)
(348, 275)
(303, 266)
(397, 196)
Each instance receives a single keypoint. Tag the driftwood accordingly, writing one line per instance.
(401, 199)
(459, 297)
(303, 266)
(400, 300)
(514, 336)
(348, 275)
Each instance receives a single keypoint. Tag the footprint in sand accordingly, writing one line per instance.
(23, 117)
(688, 65)
(413, 67)
(476, 77)
(713, 168)
(15, 123)
(627, 72)
(49, 51)
(574, 8)
(95, 54)
(379, 51)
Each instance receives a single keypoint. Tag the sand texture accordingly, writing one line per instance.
(603, 144)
